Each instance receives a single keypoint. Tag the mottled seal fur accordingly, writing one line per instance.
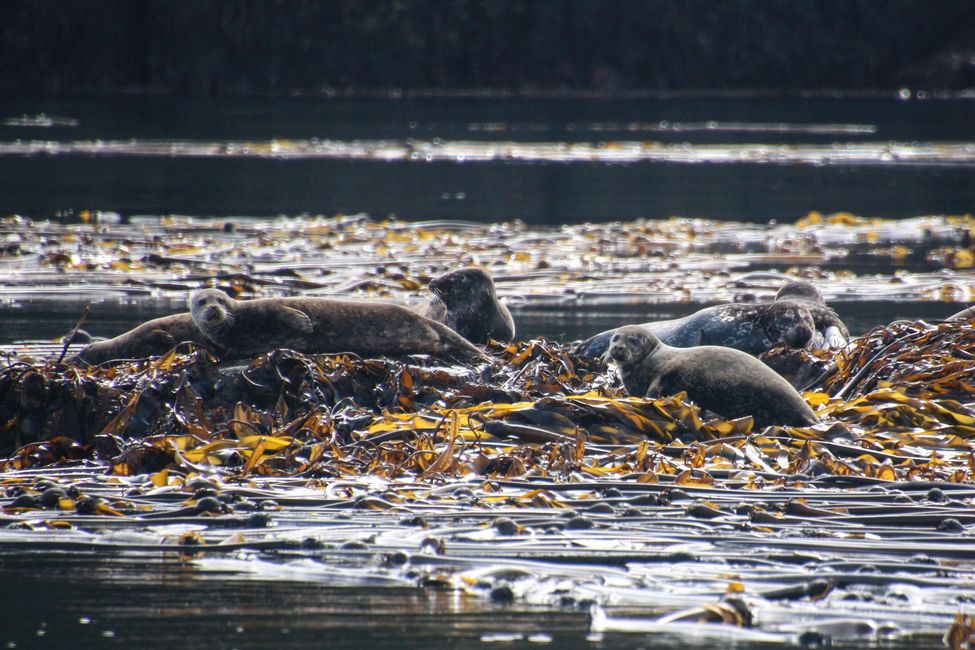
(965, 314)
(465, 301)
(751, 328)
(831, 332)
(728, 382)
(246, 328)
(154, 337)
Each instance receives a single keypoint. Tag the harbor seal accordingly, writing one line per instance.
(465, 301)
(751, 328)
(247, 328)
(831, 332)
(154, 337)
(965, 314)
(728, 382)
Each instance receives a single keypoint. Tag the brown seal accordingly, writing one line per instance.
(151, 338)
(831, 332)
(726, 381)
(465, 301)
(247, 328)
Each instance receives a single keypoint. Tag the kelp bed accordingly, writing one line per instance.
(531, 480)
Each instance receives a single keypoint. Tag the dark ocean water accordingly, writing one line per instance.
(81, 167)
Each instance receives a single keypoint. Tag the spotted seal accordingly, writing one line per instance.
(965, 314)
(465, 301)
(726, 381)
(246, 328)
(749, 327)
(154, 337)
(831, 332)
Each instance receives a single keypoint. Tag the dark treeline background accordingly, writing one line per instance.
(256, 46)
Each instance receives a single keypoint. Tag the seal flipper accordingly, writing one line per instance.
(834, 338)
(161, 340)
(297, 320)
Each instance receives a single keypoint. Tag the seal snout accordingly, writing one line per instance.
(438, 286)
(798, 336)
(617, 349)
(212, 314)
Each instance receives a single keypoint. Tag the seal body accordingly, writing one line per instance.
(151, 338)
(965, 314)
(831, 332)
(246, 328)
(726, 381)
(465, 301)
(751, 328)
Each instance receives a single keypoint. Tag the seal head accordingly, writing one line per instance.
(212, 312)
(830, 331)
(465, 300)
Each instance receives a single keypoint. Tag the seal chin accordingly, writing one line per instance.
(798, 336)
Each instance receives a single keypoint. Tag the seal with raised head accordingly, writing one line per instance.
(728, 382)
(465, 301)
(749, 327)
(247, 328)
(831, 332)
(154, 337)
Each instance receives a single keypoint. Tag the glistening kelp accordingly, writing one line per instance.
(535, 410)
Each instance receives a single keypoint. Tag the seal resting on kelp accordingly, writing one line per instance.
(831, 332)
(247, 328)
(749, 327)
(152, 338)
(465, 301)
(965, 314)
(728, 382)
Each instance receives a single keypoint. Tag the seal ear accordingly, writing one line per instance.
(297, 319)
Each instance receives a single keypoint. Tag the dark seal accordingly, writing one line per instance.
(751, 328)
(151, 338)
(831, 332)
(965, 314)
(247, 328)
(465, 301)
(728, 382)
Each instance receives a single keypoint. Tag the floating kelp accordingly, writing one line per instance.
(921, 359)
(535, 410)
(620, 263)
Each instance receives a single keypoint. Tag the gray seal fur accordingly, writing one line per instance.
(465, 301)
(749, 327)
(247, 328)
(728, 382)
(152, 338)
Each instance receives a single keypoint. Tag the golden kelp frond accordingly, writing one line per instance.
(926, 360)
(535, 410)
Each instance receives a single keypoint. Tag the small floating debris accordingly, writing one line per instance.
(40, 120)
